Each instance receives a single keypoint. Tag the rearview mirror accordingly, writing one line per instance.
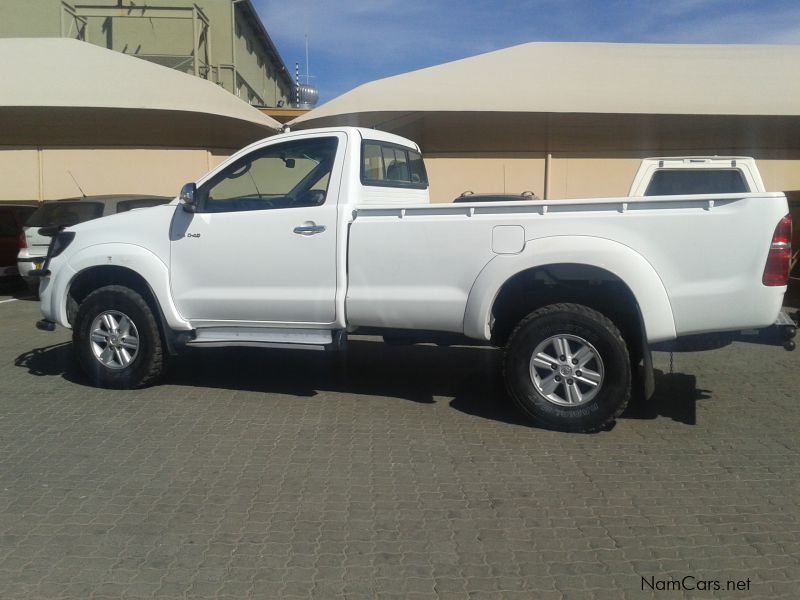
(187, 197)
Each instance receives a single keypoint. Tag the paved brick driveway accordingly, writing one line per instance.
(272, 474)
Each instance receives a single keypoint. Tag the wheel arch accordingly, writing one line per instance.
(560, 263)
(86, 281)
(108, 264)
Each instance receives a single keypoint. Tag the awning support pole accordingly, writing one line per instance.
(548, 159)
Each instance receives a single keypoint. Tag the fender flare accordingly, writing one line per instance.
(134, 258)
(620, 260)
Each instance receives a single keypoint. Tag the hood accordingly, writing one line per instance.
(145, 227)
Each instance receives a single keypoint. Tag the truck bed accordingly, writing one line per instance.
(415, 266)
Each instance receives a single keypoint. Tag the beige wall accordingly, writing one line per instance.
(163, 170)
(452, 174)
(578, 177)
(780, 175)
(570, 176)
(33, 174)
(19, 173)
(217, 156)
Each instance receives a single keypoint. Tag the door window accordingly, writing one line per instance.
(289, 175)
(389, 165)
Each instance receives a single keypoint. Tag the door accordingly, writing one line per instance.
(261, 246)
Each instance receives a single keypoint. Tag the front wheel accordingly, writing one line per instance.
(567, 367)
(117, 340)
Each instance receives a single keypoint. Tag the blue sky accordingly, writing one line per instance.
(355, 41)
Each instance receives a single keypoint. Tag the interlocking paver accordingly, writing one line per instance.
(271, 474)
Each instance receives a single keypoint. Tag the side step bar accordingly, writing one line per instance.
(267, 337)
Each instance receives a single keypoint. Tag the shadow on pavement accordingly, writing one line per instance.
(675, 397)
(420, 373)
(14, 287)
(50, 361)
(470, 377)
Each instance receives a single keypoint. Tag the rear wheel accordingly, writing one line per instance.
(567, 368)
(117, 339)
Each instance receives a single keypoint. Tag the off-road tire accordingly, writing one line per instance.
(148, 363)
(576, 320)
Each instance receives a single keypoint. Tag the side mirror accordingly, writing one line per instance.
(187, 197)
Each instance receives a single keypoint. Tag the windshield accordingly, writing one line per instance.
(288, 175)
(64, 213)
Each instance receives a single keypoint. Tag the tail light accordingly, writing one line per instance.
(776, 271)
(23, 241)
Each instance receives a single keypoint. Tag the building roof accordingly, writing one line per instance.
(667, 79)
(69, 77)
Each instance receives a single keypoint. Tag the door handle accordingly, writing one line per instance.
(309, 229)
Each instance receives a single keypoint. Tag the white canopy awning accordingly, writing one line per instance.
(586, 78)
(62, 79)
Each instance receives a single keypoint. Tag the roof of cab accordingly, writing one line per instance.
(364, 132)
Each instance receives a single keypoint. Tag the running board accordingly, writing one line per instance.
(268, 337)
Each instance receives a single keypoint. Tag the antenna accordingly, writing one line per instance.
(306, 95)
(76, 183)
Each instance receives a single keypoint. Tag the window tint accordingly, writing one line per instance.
(673, 182)
(417, 168)
(389, 165)
(396, 162)
(64, 213)
(372, 166)
(127, 205)
(288, 175)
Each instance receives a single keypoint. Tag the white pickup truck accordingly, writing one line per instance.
(302, 238)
